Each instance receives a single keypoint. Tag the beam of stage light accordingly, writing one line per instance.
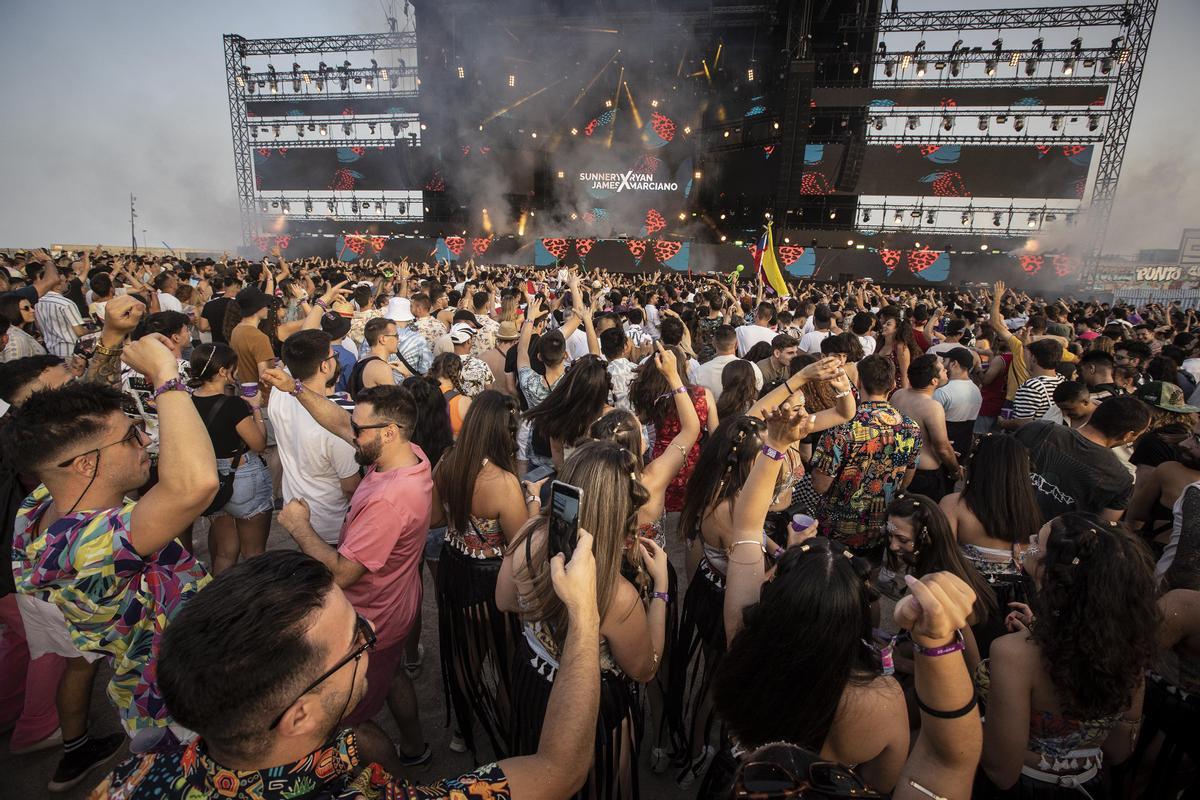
(612, 126)
(637, 118)
(582, 93)
(524, 99)
(587, 30)
(682, 58)
(707, 74)
(487, 223)
(521, 223)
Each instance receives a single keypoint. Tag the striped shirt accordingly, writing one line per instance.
(56, 318)
(1035, 399)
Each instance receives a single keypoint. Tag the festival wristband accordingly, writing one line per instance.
(664, 596)
(932, 652)
(173, 385)
(772, 453)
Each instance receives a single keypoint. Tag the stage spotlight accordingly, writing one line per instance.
(915, 213)
(423, 126)
(533, 134)
(866, 215)
(1056, 122)
(897, 217)
(947, 122)
(854, 69)
(955, 68)
(983, 246)
(682, 216)
(379, 206)
(272, 79)
(922, 65)
(1050, 218)
(654, 104)
(371, 127)
(1031, 66)
(775, 126)
(244, 78)
(395, 128)
(324, 131)
(353, 206)
(877, 123)
(394, 78)
(1068, 66)
(608, 102)
(275, 130)
(1106, 65)
(401, 208)
(722, 216)
(697, 175)
(254, 133)
(913, 121)
(287, 207)
(1033, 220)
(300, 131)
(966, 218)
(833, 214)
(723, 237)
(750, 74)
(1093, 122)
(311, 127)
(687, 130)
(726, 134)
(996, 218)
(574, 131)
(849, 243)
(983, 122)
(346, 129)
(296, 76)
(1018, 123)
(929, 218)
(512, 81)
(889, 68)
(989, 67)
(274, 204)
(330, 205)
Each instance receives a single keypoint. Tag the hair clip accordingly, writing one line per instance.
(804, 548)
(849, 556)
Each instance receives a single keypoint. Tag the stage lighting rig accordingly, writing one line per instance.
(913, 122)
(272, 79)
(308, 206)
(897, 217)
(1032, 221)
(321, 70)
(346, 129)
(329, 204)
(296, 76)
(1093, 122)
(1018, 123)
(344, 76)
(947, 123)
(983, 122)
(324, 130)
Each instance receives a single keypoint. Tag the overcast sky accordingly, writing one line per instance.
(129, 96)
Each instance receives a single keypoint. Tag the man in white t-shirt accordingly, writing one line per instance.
(960, 398)
(761, 331)
(708, 374)
(166, 283)
(317, 466)
(861, 326)
(822, 322)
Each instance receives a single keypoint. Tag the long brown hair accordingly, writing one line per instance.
(489, 433)
(612, 496)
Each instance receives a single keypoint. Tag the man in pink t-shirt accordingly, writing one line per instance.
(379, 550)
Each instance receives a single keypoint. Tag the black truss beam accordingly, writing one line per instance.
(950, 82)
(1100, 15)
(1124, 97)
(313, 140)
(243, 163)
(982, 138)
(342, 43)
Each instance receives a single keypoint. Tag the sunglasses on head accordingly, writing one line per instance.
(786, 771)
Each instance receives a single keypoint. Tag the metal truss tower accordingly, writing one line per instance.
(237, 49)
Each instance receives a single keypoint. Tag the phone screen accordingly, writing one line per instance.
(539, 474)
(564, 518)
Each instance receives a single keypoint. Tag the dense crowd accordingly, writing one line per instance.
(929, 543)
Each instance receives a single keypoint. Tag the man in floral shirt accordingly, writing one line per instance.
(112, 565)
(429, 326)
(476, 375)
(267, 662)
(858, 467)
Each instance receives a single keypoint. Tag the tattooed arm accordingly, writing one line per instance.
(121, 316)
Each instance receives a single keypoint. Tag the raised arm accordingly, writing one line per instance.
(328, 414)
(533, 310)
(187, 467)
(121, 315)
(947, 750)
(564, 754)
(662, 470)
(786, 425)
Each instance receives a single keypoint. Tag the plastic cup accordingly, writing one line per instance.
(249, 389)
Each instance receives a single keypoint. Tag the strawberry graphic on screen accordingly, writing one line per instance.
(556, 247)
(654, 222)
(663, 125)
(666, 250)
(282, 242)
(455, 244)
(357, 244)
(947, 183)
(815, 183)
(377, 243)
(1064, 265)
(637, 247)
(1074, 149)
(890, 259)
(343, 179)
(921, 260)
(584, 246)
(1031, 264)
(435, 183)
(789, 253)
(481, 244)
(263, 243)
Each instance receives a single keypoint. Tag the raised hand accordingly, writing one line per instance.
(666, 362)
(937, 607)
(788, 424)
(122, 314)
(278, 379)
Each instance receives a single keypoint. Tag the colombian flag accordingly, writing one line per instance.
(767, 266)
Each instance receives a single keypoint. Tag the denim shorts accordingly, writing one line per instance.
(433, 543)
(251, 487)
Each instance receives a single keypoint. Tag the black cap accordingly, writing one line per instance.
(335, 325)
(251, 300)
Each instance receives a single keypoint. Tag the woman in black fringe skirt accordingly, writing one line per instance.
(624, 428)
(478, 498)
(632, 635)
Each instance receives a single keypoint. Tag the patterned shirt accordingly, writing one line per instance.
(620, 376)
(115, 601)
(431, 329)
(475, 376)
(334, 772)
(533, 386)
(413, 348)
(485, 337)
(867, 458)
(57, 317)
